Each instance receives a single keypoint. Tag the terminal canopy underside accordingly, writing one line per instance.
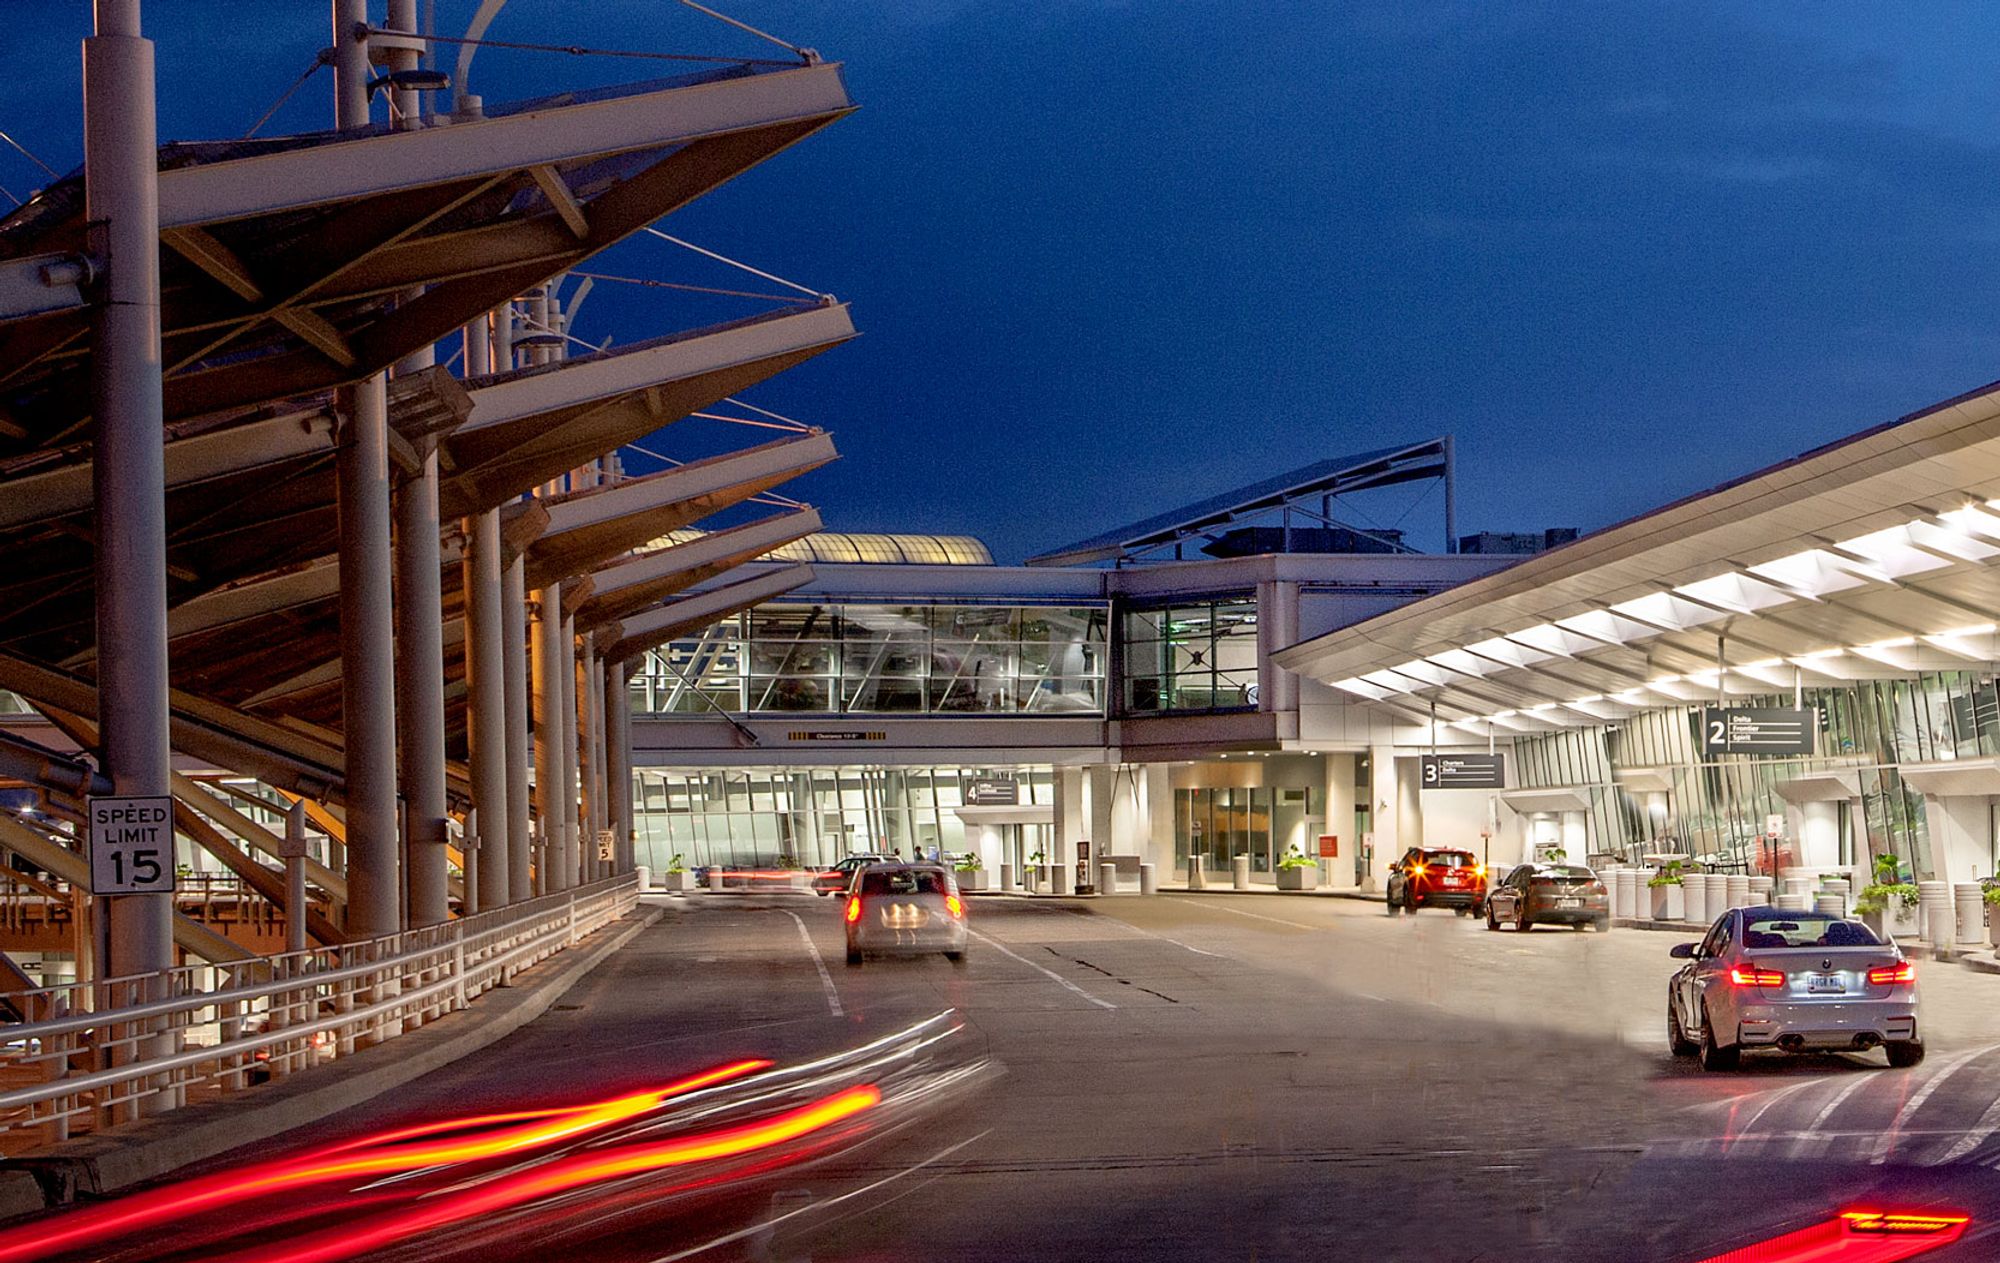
(1873, 558)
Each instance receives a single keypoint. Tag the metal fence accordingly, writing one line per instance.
(93, 1055)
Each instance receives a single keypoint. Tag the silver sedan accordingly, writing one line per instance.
(1765, 978)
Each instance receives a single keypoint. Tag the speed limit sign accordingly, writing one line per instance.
(132, 846)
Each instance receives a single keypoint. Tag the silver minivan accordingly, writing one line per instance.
(904, 908)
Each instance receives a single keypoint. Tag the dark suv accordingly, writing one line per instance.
(1426, 878)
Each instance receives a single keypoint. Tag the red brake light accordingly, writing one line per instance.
(854, 909)
(1888, 975)
(954, 906)
(1752, 976)
(1416, 870)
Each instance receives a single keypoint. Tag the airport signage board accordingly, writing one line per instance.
(992, 791)
(131, 845)
(1465, 771)
(1758, 729)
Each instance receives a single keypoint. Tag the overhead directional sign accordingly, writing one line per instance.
(132, 846)
(1465, 771)
(1758, 730)
(992, 791)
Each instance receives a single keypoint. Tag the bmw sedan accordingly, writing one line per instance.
(1764, 978)
(1549, 894)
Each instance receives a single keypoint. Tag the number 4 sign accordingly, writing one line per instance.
(132, 846)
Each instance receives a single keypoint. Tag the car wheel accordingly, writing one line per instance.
(1715, 1056)
(1601, 924)
(1521, 922)
(1395, 905)
(1677, 1039)
(853, 956)
(1492, 922)
(956, 958)
(1904, 1053)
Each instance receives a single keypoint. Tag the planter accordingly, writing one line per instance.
(1676, 903)
(1298, 878)
(1898, 920)
(1665, 903)
(973, 879)
(681, 881)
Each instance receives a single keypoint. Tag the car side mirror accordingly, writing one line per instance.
(1682, 951)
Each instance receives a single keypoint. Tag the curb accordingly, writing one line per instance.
(48, 1178)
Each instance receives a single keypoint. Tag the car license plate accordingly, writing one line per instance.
(1569, 903)
(1825, 983)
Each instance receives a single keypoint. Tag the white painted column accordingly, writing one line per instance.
(1070, 819)
(1159, 850)
(1384, 812)
(1817, 827)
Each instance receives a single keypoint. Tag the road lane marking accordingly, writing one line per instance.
(1108, 919)
(1052, 976)
(1812, 1132)
(1887, 1139)
(1974, 1136)
(825, 978)
(1254, 916)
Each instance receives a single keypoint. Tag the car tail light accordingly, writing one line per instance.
(1888, 975)
(854, 909)
(953, 905)
(1416, 870)
(1597, 888)
(1752, 976)
(1479, 871)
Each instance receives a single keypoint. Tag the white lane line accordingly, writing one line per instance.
(825, 978)
(1974, 1136)
(1729, 1140)
(1056, 978)
(1127, 925)
(1254, 916)
(1812, 1131)
(1887, 1139)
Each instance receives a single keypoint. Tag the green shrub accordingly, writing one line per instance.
(1296, 858)
(1668, 876)
(676, 864)
(967, 863)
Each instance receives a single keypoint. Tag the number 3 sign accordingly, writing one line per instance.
(132, 846)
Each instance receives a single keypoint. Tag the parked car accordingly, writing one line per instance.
(833, 880)
(1765, 978)
(1439, 878)
(904, 908)
(1549, 894)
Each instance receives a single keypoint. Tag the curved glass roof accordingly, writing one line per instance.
(867, 549)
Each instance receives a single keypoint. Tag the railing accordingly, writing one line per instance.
(97, 1054)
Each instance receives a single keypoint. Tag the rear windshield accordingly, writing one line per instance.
(1804, 929)
(922, 881)
(1447, 859)
(1566, 873)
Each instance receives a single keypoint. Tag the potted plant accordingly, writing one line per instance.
(1669, 900)
(1031, 873)
(1297, 872)
(676, 877)
(970, 872)
(1992, 897)
(1889, 904)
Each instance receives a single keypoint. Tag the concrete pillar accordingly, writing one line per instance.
(1338, 797)
(1817, 827)
(590, 803)
(1277, 628)
(598, 731)
(122, 204)
(618, 777)
(576, 848)
(1384, 814)
(1070, 821)
(548, 660)
(368, 661)
(1159, 816)
(526, 868)
(486, 706)
(1409, 802)
(1961, 836)
(1099, 781)
(420, 694)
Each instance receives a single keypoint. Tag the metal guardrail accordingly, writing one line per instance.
(97, 1054)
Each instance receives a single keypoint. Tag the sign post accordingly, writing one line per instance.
(132, 845)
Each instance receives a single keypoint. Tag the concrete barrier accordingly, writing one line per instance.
(1107, 879)
(1149, 880)
(1239, 872)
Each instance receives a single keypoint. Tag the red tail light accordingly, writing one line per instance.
(854, 909)
(1752, 976)
(1888, 975)
(1597, 888)
(954, 906)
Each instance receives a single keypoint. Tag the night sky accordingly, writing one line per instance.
(1111, 257)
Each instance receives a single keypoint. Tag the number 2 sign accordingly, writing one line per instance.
(132, 846)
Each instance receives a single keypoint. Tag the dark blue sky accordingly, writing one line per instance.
(1110, 257)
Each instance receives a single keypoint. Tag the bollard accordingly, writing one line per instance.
(1149, 880)
(1830, 905)
(1694, 896)
(1760, 891)
(645, 874)
(1239, 872)
(1970, 898)
(1107, 879)
(1196, 879)
(1624, 882)
(1006, 877)
(1739, 890)
(1718, 894)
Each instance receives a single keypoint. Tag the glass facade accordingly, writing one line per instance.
(1191, 656)
(811, 817)
(856, 659)
(1262, 822)
(1716, 807)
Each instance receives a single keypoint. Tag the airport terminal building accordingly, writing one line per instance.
(1209, 683)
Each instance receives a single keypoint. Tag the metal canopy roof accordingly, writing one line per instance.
(1869, 558)
(696, 610)
(1380, 468)
(284, 257)
(631, 584)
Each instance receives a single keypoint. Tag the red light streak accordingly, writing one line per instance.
(365, 1157)
(564, 1175)
(1857, 1236)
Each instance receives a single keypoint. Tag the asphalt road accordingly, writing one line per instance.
(1238, 1077)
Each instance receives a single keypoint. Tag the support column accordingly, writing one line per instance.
(420, 694)
(368, 661)
(514, 632)
(122, 204)
(486, 706)
(576, 848)
(590, 804)
(598, 730)
(618, 776)
(549, 663)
